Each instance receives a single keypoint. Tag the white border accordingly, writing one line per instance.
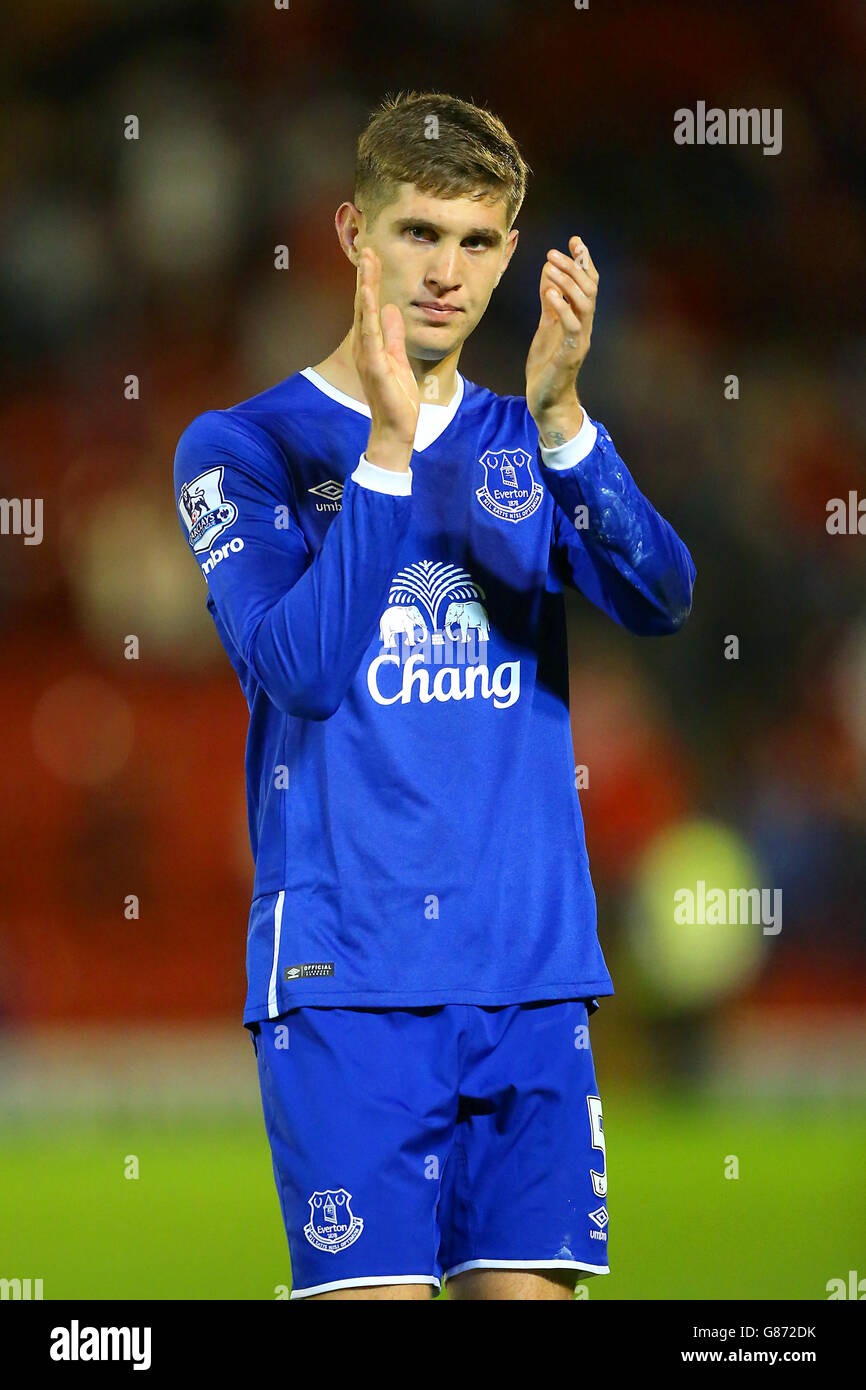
(370, 475)
(336, 395)
(278, 925)
(432, 420)
(527, 1264)
(356, 1283)
(574, 450)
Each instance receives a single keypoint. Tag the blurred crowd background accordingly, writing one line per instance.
(154, 258)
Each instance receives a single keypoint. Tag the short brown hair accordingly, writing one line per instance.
(471, 152)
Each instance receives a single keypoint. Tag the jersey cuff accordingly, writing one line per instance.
(573, 450)
(382, 479)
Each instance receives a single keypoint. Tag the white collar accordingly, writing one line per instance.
(432, 420)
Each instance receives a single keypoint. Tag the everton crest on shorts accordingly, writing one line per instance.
(331, 1225)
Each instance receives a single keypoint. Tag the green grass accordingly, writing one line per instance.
(202, 1220)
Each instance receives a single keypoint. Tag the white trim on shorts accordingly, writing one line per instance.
(527, 1264)
(355, 1283)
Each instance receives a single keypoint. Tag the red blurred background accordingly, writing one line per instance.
(155, 258)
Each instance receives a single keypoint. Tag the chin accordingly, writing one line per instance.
(422, 353)
(434, 351)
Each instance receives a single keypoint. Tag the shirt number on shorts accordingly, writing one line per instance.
(599, 1180)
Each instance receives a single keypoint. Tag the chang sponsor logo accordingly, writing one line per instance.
(436, 618)
(502, 685)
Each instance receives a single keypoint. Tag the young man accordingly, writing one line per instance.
(385, 545)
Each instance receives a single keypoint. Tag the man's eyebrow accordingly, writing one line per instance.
(491, 235)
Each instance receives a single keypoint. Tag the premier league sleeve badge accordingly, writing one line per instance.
(205, 510)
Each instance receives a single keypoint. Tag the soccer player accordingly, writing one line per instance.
(385, 545)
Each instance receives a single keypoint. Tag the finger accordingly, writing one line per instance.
(376, 289)
(362, 277)
(577, 272)
(403, 376)
(360, 281)
(395, 345)
(571, 324)
(580, 251)
(370, 325)
(548, 282)
(581, 302)
(376, 278)
(394, 332)
(544, 285)
(357, 305)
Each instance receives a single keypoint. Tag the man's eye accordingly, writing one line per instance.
(423, 232)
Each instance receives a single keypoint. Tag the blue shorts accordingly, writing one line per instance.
(411, 1144)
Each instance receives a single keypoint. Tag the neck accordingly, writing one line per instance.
(437, 381)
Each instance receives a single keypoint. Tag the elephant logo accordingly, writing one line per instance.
(468, 614)
(403, 619)
(450, 659)
(509, 491)
(418, 597)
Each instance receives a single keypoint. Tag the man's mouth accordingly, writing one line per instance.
(435, 310)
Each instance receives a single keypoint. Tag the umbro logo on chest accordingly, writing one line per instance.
(328, 495)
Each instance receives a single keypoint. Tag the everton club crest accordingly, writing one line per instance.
(331, 1225)
(510, 491)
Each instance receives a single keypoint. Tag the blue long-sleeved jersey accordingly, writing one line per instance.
(400, 640)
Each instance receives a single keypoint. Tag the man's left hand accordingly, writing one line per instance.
(568, 289)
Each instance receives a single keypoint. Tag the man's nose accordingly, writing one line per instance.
(442, 269)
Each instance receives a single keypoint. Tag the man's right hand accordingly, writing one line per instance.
(379, 350)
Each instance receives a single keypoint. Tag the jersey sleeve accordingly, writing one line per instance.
(300, 621)
(609, 541)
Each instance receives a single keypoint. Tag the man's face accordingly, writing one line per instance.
(441, 259)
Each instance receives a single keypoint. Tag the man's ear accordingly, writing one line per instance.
(510, 247)
(349, 222)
